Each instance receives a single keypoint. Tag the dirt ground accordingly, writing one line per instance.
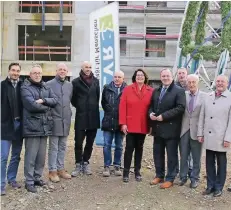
(97, 192)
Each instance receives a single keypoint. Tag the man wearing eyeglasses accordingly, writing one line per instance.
(11, 126)
(37, 101)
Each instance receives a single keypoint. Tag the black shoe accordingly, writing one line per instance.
(138, 176)
(229, 189)
(31, 188)
(125, 179)
(189, 173)
(208, 191)
(182, 182)
(194, 184)
(217, 193)
(126, 176)
(39, 183)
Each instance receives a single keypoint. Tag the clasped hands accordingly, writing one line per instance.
(153, 117)
(39, 101)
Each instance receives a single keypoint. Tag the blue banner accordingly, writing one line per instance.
(104, 48)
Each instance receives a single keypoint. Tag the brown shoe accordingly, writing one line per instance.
(166, 185)
(53, 176)
(156, 181)
(63, 174)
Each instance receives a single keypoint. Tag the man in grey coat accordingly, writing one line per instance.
(214, 129)
(37, 100)
(189, 142)
(62, 121)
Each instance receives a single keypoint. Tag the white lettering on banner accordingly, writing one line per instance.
(108, 52)
(107, 69)
(97, 49)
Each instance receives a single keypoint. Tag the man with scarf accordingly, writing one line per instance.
(37, 99)
(86, 95)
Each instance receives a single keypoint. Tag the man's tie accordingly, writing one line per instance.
(162, 93)
(218, 94)
(191, 104)
(117, 90)
(14, 83)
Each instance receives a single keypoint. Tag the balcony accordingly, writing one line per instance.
(47, 6)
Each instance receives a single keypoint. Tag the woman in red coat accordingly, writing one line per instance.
(133, 118)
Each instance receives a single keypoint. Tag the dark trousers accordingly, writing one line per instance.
(171, 146)
(80, 135)
(134, 141)
(216, 178)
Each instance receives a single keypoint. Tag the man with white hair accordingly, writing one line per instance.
(110, 123)
(189, 142)
(37, 100)
(86, 95)
(214, 129)
(62, 122)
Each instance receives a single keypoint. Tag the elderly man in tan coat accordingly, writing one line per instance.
(214, 129)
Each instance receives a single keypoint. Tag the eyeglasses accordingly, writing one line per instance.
(37, 73)
(140, 75)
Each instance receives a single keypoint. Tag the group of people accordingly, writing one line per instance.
(178, 115)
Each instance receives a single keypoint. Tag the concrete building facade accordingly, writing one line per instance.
(149, 32)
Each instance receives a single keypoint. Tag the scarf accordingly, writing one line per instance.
(88, 79)
(38, 84)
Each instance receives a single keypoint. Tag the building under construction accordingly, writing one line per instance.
(48, 32)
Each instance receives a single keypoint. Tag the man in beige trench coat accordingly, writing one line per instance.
(214, 129)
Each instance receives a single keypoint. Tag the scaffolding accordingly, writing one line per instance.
(158, 36)
(207, 75)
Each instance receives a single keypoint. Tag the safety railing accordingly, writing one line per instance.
(139, 53)
(149, 36)
(36, 7)
(45, 50)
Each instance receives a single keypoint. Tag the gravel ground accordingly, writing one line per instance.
(97, 192)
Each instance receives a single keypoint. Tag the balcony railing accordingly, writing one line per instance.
(36, 7)
(141, 53)
(148, 36)
(45, 50)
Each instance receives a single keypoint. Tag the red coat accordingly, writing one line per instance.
(133, 108)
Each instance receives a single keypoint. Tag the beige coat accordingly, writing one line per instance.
(215, 121)
(190, 121)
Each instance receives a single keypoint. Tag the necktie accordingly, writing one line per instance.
(118, 90)
(162, 93)
(218, 94)
(191, 103)
(14, 83)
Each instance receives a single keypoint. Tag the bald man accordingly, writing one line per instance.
(62, 121)
(214, 130)
(110, 123)
(86, 95)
